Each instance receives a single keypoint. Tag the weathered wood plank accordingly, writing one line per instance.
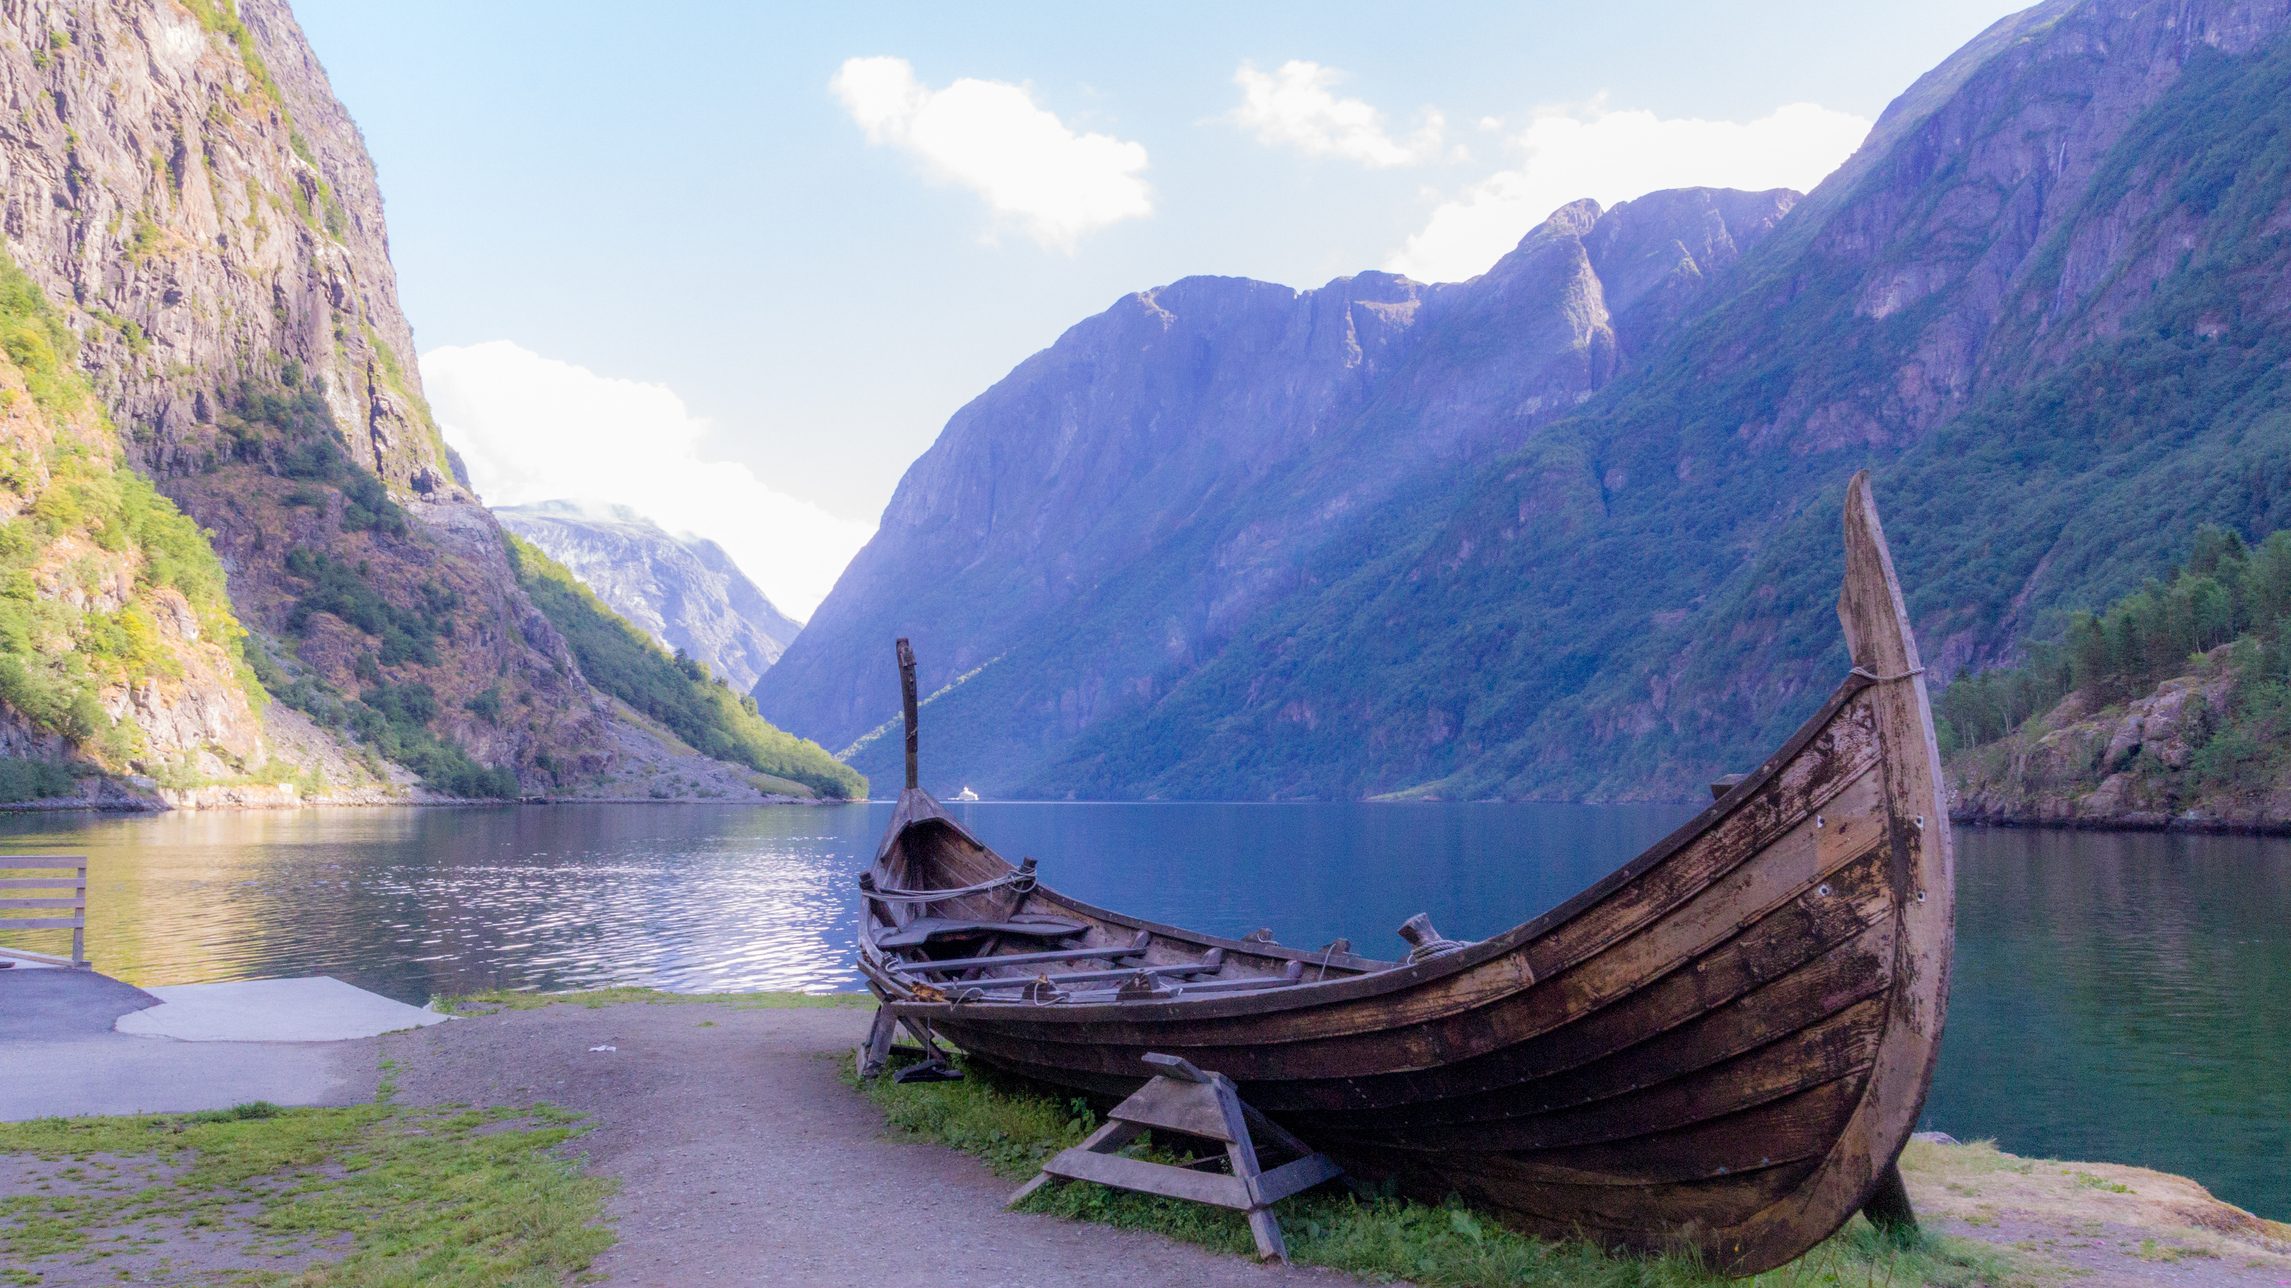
(1174, 969)
(952, 965)
(1150, 1178)
(1297, 1176)
(1709, 1037)
(1172, 1106)
(1384, 1042)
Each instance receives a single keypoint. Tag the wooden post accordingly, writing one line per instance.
(907, 708)
(1187, 1101)
(875, 1052)
(1888, 1208)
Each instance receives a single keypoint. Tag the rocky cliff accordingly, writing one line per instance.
(1105, 518)
(2132, 764)
(683, 591)
(180, 183)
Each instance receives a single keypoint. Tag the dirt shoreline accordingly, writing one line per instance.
(742, 1156)
(739, 1152)
(742, 1153)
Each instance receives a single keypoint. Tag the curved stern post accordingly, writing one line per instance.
(1878, 635)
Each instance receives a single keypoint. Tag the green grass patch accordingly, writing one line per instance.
(1013, 1127)
(380, 1194)
(492, 1000)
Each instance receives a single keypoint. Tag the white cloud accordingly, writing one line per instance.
(534, 429)
(1295, 107)
(1570, 154)
(994, 139)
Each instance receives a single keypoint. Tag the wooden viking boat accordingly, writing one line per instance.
(1722, 1046)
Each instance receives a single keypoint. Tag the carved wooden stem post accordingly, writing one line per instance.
(907, 707)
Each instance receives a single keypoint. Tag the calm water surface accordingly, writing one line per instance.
(2124, 997)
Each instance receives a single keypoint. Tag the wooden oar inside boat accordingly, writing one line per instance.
(1723, 1045)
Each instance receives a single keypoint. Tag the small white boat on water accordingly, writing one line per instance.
(966, 794)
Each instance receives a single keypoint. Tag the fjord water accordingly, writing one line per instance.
(2121, 997)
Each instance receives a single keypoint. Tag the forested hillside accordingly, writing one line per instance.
(684, 591)
(676, 691)
(2172, 706)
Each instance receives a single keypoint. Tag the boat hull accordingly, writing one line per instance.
(1723, 1046)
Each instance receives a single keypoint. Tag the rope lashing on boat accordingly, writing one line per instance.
(1874, 678)
(1022, 881)
(1427, 941)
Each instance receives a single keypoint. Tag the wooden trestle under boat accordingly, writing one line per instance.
(1724, 1045)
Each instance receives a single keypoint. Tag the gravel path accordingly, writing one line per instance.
(743, 1158)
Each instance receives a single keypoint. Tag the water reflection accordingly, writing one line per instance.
(2126, 996)
(2117, 996)
(414, 903)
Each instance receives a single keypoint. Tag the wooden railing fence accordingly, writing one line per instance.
(61, 883)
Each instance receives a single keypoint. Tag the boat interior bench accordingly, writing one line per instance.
(1208, 964)
(1098, 952)
(934, 930)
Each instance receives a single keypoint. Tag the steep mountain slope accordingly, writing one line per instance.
(2044, 300)
(1107, 516)
(684, 591)
(676, 692)
(116, 637)
(180, 183)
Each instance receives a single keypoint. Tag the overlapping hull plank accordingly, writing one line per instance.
(1724, 1044)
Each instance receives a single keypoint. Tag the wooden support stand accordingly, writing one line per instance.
(874, 1054)
(1888, 1208)
(1186, 1101)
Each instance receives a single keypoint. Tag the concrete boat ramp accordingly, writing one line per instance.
(76, 1042)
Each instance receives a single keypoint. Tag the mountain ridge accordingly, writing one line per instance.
(2034, 303)
(1703, 493)
(686, 592)
(1228, 414)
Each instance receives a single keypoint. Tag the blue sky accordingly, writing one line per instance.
(693, 258)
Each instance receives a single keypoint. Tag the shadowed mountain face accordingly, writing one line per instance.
(1105, 518)
(684, 591)
(1559, 532)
